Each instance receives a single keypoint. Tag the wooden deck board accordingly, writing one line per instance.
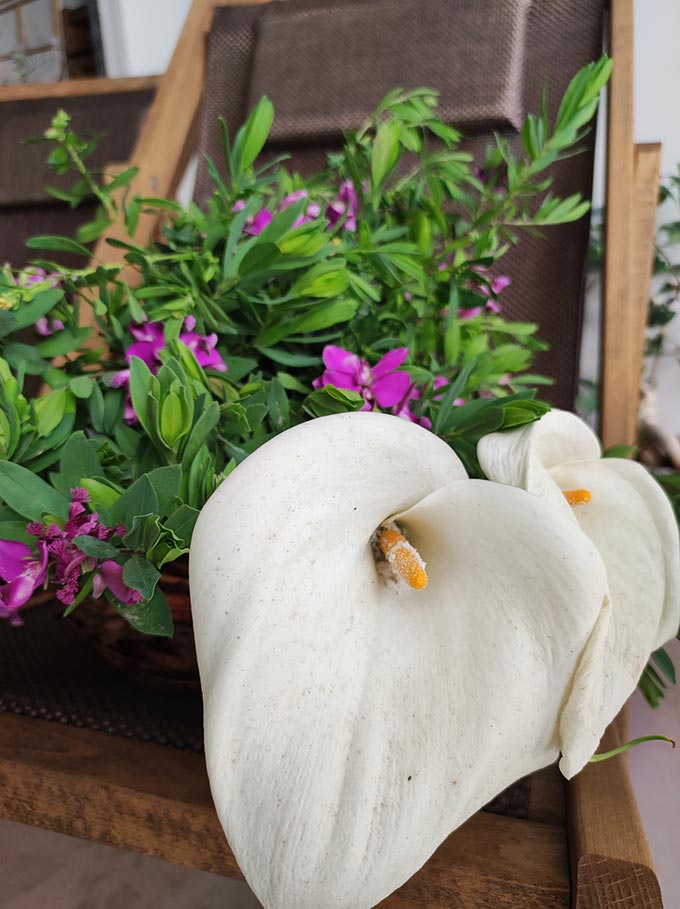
(156, 800)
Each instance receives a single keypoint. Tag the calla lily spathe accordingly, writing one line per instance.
(629, 520)
(350, 728)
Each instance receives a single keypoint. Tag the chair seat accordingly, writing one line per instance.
(156, 800)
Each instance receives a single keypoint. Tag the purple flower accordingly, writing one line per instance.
(379, 385)
(345, 204)
(34, 275)
(258, 222)
(45, 326)
(202, 346)
(403, 408)
(150, 340)
(70, 562)
(22, 573)
(110, 575)
(312, 211)
(489, 290)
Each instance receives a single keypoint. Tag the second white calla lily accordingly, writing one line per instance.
(350, 727)
(626, 515)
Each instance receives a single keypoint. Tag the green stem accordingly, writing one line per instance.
(605, 755)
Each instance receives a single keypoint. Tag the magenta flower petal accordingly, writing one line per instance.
(120, 379)
(12, 556)
(390, 389)
(110, 575)
(469, 313)
(145, 351)
(391, 361)
(258, 223)
(337, 359)
(340, 379)
(499, 284)
(153, 332)
(293, 197)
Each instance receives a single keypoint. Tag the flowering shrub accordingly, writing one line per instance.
(374, 285)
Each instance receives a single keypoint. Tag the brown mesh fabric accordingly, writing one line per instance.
(25, 208)
(322, 62)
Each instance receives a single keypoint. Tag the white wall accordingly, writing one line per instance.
(139, 36)
(657, 118)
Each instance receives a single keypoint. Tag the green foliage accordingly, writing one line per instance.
(395, 245)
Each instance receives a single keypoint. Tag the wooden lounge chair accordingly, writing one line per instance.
(543, 844)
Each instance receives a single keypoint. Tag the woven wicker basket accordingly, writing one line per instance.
(152, 660)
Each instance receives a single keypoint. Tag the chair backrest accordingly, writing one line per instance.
(326, 63)
(111, 108)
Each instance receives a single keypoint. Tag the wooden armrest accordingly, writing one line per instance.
(611, 864)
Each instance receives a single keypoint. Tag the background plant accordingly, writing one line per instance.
(374, 284)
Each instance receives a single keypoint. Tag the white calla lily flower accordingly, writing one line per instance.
(626, 515)
(351, 725)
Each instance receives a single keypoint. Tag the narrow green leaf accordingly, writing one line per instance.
(28, 494)
(255, 133)
(98, 549)
(58, 244)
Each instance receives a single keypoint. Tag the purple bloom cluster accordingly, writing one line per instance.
(23, 572)
(491, 291)
(344, 206)
(70, 562)
(150, 340)
(383, 385)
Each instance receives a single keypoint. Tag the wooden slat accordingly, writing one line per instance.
(156, 801)
(41, 91)
(619, 411)
(163, 143)
(492, 862)
(610, 860)
(646, 197)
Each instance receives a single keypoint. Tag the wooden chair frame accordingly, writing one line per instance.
(156, 800)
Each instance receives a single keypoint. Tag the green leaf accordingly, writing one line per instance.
(58, 244)
(82, 386)
(325, 316)
(329, 400)
(138, 499)
(173, 425)
(665, 664)
(101, 494)
(151, 617)
(253, 135)
(200, 432)
(166, 482)
(98, 549)
(277, 403)
(79, 461)
(28, 313)
(23, 356)
(63, 342)
(141, 575)
(385, 153)
(29, 495)
(181, 522)
(122, 179)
